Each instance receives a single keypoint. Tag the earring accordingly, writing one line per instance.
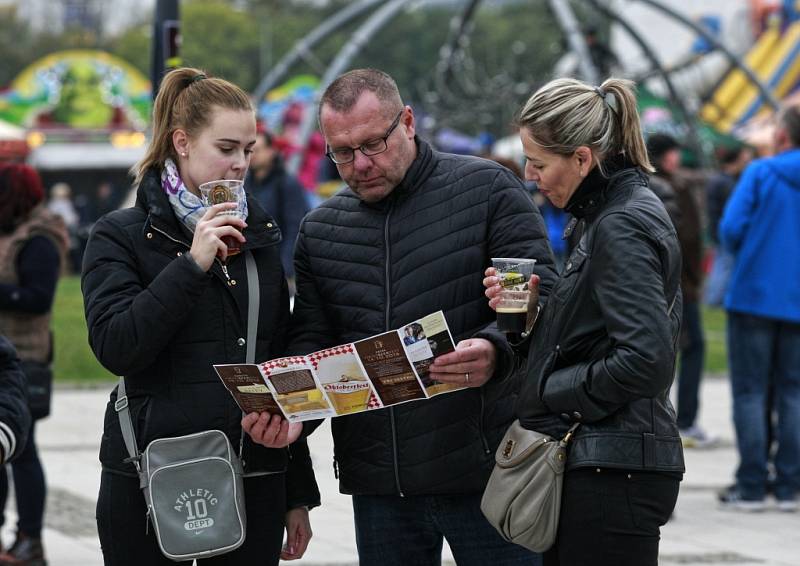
(183, 154)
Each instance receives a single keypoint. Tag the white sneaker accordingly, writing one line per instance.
(756, 506)
(788, 505)
(731, 499)
(696, 437)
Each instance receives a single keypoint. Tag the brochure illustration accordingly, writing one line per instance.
(369, 374)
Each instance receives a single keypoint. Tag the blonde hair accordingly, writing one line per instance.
(185, 101)
(566, 113)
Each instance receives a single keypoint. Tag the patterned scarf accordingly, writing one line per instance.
(188, 207)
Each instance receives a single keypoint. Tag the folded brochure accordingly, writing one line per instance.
(372, 373)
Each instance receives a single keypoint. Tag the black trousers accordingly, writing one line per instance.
(128, 540)
(30, 488)
(612, 517)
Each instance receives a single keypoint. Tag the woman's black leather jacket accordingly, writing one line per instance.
(603, 349)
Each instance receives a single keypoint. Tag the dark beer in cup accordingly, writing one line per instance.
(512, 311)
(514, 275)
(511, 319)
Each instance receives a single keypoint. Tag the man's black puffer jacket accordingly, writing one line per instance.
(156, 318)
(603, 349)
(364, 268)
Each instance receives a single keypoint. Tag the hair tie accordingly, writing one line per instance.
(608, 98)
(199, 77)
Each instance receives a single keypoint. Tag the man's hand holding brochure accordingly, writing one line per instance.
(376, 372)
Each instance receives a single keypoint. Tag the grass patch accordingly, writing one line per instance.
(74, 361)
(716, 348)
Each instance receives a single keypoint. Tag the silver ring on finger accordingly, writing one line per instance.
(466, 377)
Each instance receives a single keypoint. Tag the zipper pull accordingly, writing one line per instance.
(147, 521)
(225, 271)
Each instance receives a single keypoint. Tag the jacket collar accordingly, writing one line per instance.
(597, 189)
(421, 168)
(416, 175)
(262, 230)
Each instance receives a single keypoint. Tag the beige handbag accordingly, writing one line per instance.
(523, 497)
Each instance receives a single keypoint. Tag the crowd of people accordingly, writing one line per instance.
(622, 233)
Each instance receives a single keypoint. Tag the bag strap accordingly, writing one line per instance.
(124, 415)
(253, 306)
(121, 405)
(570, 433)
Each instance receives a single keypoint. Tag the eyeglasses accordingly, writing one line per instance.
(343, 155)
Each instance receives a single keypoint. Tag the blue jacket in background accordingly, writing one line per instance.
(761, 227)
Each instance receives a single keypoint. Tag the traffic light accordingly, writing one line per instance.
(172, 44)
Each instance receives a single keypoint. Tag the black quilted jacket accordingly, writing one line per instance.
(365, 268)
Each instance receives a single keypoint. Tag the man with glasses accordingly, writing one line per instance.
(412, 234)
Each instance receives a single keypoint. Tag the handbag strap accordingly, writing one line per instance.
(570, 433)
(253, 306)
(125, 423)
(121, 405)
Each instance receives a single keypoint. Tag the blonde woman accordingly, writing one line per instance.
(602, 351)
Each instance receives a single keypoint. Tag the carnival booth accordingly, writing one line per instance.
(82, 115)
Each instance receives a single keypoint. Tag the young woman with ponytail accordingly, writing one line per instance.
(602, 351)
(161, 308)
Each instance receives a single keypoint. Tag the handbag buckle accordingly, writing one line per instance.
(508, 450)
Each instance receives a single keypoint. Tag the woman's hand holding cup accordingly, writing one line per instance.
(494, 289)
(226, 191)
(509, 293)
(208, 235)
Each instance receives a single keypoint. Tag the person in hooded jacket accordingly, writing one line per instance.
(601, 351)
(164, 301)
(760, 227)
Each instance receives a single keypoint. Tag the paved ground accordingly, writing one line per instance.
(699, 534)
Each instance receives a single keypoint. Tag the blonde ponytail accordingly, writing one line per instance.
(566, 114)
(630, 137)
